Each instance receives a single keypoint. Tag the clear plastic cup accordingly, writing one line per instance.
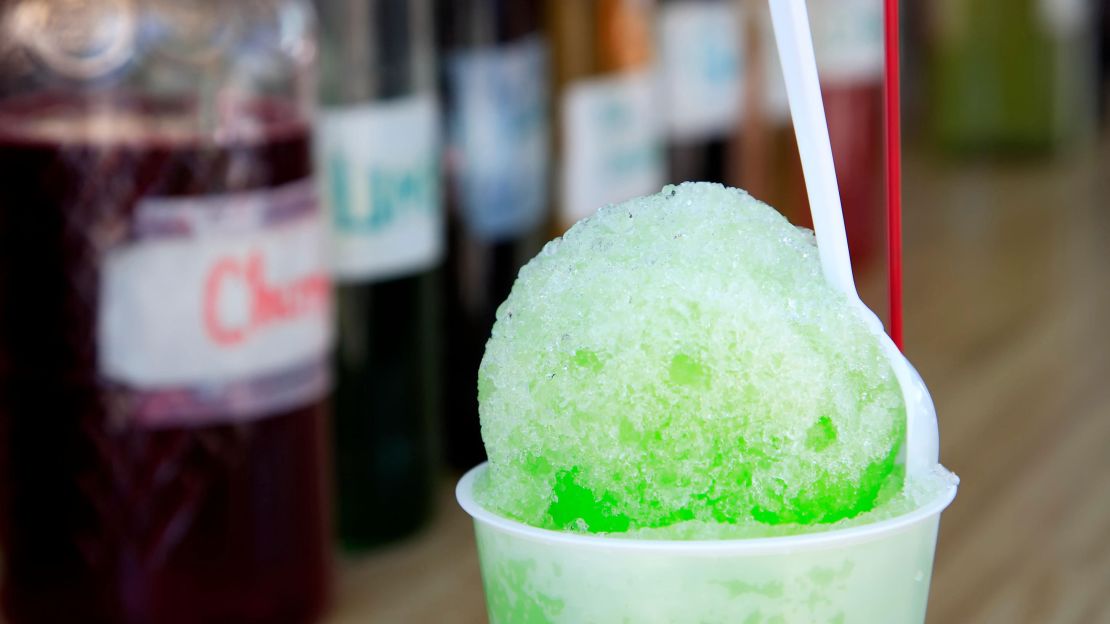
(878, 572)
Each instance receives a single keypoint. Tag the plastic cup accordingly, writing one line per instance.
(878, 572)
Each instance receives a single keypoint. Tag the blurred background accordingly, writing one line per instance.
(192, 429)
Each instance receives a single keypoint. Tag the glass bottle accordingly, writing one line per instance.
(767, 164)
(166, 314)
(1102, 52)
(702, 52)
(495, 86)
(847, 40)
(610, 121)
(378, 147)
(1011, 76)
(848, 44)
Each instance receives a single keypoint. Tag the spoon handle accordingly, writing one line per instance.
(799, 67)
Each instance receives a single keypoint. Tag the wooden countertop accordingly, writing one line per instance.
(1008, 301)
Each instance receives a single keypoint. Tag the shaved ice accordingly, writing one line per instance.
(680, 360)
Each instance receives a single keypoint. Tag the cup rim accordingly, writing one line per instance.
(836, 538)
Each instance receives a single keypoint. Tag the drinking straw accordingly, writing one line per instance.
(892, 100)
(799, 67)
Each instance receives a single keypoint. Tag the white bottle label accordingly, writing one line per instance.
(611, 143)
(380, 182)
(701, 44)
(848, 39)
(1065, 18)
(499, 139)
(218, 307)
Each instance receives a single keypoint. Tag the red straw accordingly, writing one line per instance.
(892, 97)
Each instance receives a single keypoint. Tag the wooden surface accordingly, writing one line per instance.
(1007, 307)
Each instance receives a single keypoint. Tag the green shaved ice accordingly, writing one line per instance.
(680, 359)
(917, 491)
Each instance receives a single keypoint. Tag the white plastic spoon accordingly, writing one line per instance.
(799, 67)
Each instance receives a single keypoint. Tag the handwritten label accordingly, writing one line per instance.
(213, 299)
(380, 184)
(703, 59)
(499, 137)
(612, 141)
